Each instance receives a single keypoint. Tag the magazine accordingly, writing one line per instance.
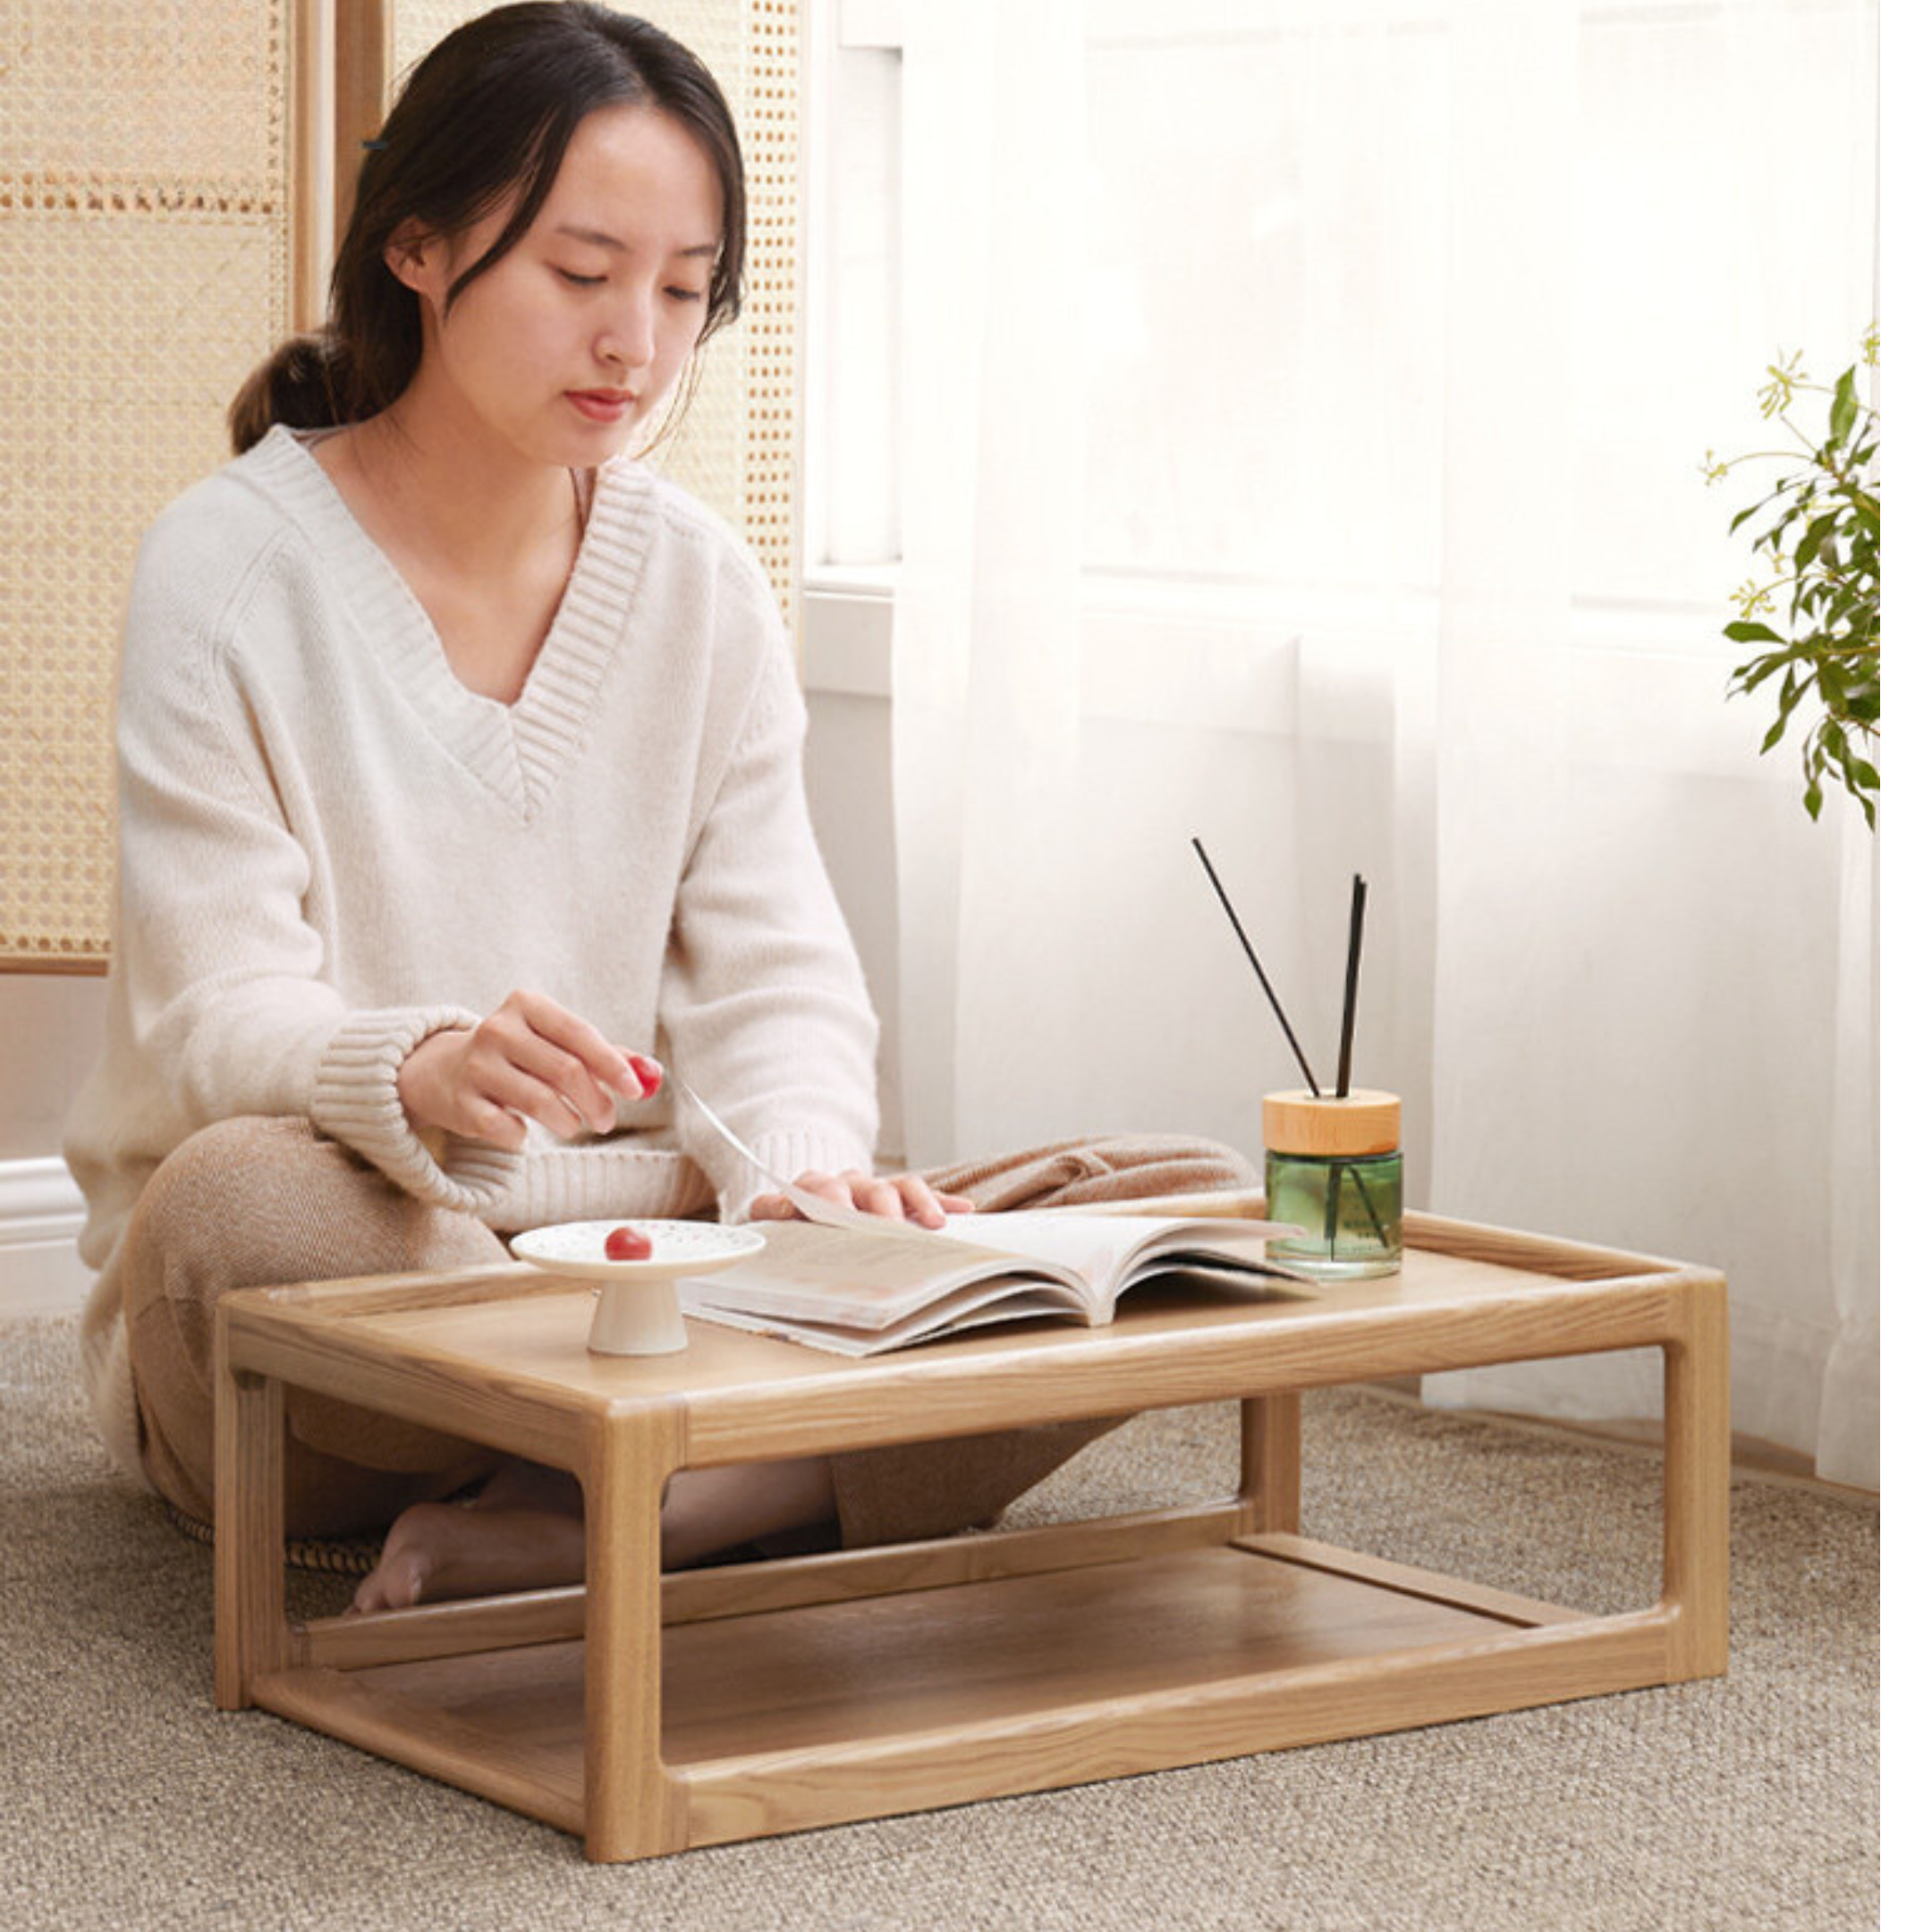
(861, 1290)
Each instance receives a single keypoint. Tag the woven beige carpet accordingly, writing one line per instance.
(1747, 1802)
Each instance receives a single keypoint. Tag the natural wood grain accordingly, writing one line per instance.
(1330, 1127)
(969, 1653)
(464, 1628)
(512, 1764)
(1697, 1484)
(1271, 1461)
(312, 154)
(250, 1625)
(768, 1697)
(775, 1722)
(1541, 1254)
(965, 1655)
(353, 1642)
(380, 1294)
(64, 963)
(630, 1811)
(497, 1405)
(364, 61)
(527, 1331)
(1504, 1606)
(1163, 1355)
(1195, 1723)
(752, 1397)
(844, 1576)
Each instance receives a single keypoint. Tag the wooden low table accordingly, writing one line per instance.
(650, 1712)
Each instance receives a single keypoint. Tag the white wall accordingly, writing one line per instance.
(848, 781)
(49, 1023)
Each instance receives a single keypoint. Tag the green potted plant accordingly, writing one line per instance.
(1820, 535)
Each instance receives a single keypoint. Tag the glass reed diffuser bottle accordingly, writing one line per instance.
(1333, 1160)
(1334, 1182)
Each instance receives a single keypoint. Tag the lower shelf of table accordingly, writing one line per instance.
(832, 1711)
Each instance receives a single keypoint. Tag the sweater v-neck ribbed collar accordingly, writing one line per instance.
(517, 750)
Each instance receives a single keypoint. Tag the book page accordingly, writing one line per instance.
(1096, 1248)
(870, 1280)
(866, 1279)
(1111, 1251)
(1002, 1297)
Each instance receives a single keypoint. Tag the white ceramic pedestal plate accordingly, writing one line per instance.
(638, 1312)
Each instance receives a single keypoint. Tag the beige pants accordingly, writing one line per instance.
(257, 1202)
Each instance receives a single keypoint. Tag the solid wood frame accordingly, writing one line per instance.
(651, 1712)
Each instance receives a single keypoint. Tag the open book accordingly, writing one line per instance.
(860, 1290)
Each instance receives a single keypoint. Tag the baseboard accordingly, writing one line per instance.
(41, 1211)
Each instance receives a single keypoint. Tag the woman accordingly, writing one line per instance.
(460, 761)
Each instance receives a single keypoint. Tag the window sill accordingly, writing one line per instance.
(845, 638)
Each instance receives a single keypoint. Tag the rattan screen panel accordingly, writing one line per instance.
(735, 446)
(145, 262)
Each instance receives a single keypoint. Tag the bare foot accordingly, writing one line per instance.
(525, 1531)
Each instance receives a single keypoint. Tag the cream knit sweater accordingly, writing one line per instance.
(330, 848)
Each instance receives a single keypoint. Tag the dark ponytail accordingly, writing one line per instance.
(304, 383)
(487, 112)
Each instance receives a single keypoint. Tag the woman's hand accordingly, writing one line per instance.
(895, 1198)
(529, 1058)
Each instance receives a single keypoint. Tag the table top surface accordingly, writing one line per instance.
(519, 1330)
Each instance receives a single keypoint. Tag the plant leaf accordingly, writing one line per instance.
(1808, 545)
(1844, 405)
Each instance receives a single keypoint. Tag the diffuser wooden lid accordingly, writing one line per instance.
(1319, 1125)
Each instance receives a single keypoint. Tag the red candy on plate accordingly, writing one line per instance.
(627, 1245)
(650, 1075)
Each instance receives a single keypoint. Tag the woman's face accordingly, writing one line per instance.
(565, 347)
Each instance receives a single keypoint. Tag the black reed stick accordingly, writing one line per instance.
(1308, 1072)
(1348, 992)
(1357, 902)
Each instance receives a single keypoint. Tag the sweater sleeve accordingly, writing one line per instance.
(764, 1005)
(228, 1009)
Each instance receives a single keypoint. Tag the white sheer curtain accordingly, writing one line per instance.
(1303, 407)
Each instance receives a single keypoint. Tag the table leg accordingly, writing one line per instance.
(1271, 1462)
(630, 1809)
(1697, 1484)
(251, 1616)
